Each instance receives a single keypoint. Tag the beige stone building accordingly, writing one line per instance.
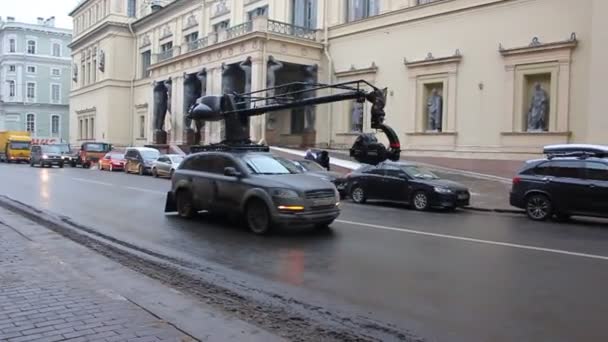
(466, 78)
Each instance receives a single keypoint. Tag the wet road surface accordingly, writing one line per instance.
(446, 276)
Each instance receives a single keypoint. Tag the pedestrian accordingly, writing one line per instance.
(323, 160)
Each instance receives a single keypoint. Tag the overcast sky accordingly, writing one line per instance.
(29, 10)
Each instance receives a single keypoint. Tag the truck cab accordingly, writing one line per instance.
(90, 153)
(15, 146)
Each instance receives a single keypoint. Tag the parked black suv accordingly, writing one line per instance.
(255, 185)
(572, 180)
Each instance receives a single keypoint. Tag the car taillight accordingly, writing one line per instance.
(516, 180)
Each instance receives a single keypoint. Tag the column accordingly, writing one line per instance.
(258, 81)
(177, 114)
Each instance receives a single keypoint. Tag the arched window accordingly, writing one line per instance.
(30, 123)
(12, 45)
(31, 47)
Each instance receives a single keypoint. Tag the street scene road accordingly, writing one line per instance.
(441, 276)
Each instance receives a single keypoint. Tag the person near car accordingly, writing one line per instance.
(323, 160)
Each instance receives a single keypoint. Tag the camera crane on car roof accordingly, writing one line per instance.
(237, 108)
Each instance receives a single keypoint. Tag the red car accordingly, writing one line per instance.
(112, 161)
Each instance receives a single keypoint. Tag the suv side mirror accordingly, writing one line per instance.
(231, 172)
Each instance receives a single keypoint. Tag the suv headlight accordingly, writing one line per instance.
(284, 193)
(44, 156)
(442, 190)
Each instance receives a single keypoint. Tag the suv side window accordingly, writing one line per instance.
(201, 163)
(568, 169)
(219, 163)
(130, 154)
(597, 171)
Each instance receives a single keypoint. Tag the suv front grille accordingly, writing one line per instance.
(313, 194)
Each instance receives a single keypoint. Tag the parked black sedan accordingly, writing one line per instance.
(407, 183)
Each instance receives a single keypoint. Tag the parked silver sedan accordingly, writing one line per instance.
(166, 164)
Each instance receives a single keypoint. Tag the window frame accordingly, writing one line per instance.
(60, 49)
(35, 47)
(588, 168)
(27, 69)
(12, 84)
(12, 44)
(52, 133)
(27, 123)
(58, 74)
(35, 91)
(59, 98)
(14, 67)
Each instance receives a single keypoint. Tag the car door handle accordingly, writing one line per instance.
(592, 186)
(547, 179)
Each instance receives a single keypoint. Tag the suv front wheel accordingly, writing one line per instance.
(257, 217)
(184, 204)
(539, 207)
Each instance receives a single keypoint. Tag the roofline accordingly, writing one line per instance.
(80, 5)
(153, 15)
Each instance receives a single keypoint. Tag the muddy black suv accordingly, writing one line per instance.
(254, 185)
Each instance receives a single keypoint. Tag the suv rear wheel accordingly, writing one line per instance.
(539, 207)
(358, 195)
(257, 217)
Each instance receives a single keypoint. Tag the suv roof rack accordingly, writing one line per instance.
(224, 147)
(576, 150)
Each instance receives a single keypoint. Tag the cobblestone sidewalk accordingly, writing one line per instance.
(43, 299)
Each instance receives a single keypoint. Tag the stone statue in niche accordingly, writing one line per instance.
(357, 117)
(228, 85)
(192, 91)
(310, 77)
(102, 61)
(434, 111)
(537, 114)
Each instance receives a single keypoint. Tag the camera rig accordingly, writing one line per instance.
(237, 108)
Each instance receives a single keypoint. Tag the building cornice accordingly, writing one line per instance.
(103, 28)
(78, 7)
(55, 31)
(164, 12)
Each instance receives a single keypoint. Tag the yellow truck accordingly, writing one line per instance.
(15, 146)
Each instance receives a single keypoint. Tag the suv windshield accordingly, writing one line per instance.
(63, 148)
(266, 165)
(96, 147)
(20, 145)
(50, 149)
(418, 172)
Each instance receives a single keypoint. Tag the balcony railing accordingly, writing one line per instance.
(291, 30)
(260, 24)
(198, 44)
(239, 30)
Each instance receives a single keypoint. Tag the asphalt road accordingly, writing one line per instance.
(463, 276)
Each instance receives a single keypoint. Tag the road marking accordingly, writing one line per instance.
(123, 187)
(487, 242)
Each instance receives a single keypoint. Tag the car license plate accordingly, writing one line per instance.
(463, 196)
(323, 201)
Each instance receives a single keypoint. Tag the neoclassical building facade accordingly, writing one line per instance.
(465, 78)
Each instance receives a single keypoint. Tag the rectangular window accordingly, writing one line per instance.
(131, 8)
(166, 47)
(361, 9)
(56, 49)
(597, 171)
(55, 93)
(31, 47)
(30, 123)
(94, 71)
(11, 88)
(258, 12)
(142, 126)
(55, 72)
(12, 68)
(80, 125)
(146, 59)
(55, 125)
(12, 45)
(192, 37)
(31, 69)
(222, 25)
(31, 91)
(86, 129)
(305, 13)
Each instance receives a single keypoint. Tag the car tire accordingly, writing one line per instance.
(357, 194)
(86, 165)
(140, 170)
(539, 207)
(171, 174)
(31, 163)
(126, 168)
(184, 204)
(258, 217)
(111, 169)
(420, 201)
(154, 172)
(73, 164)
(61, 166)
